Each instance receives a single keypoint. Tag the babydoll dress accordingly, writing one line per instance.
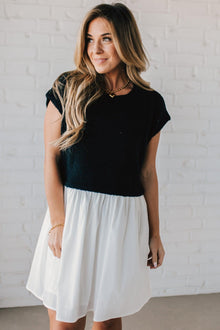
(103, 265)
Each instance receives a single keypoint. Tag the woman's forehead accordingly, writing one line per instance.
(98, 26)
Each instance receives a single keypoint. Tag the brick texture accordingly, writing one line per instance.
(181, 38)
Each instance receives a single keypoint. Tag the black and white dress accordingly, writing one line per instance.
(103, 264)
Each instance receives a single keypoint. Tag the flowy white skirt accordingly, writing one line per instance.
(103, 265)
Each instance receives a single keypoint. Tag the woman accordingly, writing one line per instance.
(101, 132)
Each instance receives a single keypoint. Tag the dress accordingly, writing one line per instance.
(103, 264)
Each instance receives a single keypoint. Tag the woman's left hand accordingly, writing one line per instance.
(156, 253)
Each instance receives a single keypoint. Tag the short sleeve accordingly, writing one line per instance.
(52, 96)
(160, 115)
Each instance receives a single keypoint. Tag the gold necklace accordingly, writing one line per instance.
(112, 92)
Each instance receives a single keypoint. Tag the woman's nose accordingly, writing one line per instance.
(97, 47)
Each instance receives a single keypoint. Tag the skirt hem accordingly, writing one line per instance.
(90, 310)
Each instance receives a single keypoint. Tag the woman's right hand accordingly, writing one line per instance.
(55, 241)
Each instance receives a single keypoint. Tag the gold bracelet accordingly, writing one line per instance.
(59, 224)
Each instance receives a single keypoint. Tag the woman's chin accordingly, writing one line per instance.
(101, 70)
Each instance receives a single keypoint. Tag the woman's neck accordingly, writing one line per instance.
(116, 79)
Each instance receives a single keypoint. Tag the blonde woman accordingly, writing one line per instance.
(100, 236)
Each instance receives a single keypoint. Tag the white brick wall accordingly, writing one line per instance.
(182, 41)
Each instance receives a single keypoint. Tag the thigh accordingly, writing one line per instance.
(58, 325)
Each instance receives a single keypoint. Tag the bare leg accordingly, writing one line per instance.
(113, 324)
(57, 325)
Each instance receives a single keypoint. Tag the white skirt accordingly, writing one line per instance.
(103, 265)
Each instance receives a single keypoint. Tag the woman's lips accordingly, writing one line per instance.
(99, 60)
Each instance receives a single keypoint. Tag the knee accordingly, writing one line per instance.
(109, 324)
(58, 325)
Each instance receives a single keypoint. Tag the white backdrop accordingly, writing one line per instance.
(37, 41)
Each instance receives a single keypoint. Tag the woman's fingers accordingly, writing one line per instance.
(55, 242)
(58, 252)
(154, 258)
(161, 254)
(156, 254)
(157, 258)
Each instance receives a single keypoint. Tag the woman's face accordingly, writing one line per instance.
(100, 47)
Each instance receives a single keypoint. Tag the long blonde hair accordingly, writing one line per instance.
(78, 88)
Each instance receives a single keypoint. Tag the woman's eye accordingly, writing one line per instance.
(89, 40)
(107, 39)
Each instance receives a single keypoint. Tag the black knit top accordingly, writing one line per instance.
(109, 157)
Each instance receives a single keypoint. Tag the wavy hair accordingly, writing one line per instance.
(78, 88)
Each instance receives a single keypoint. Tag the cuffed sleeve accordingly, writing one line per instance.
(160, 115)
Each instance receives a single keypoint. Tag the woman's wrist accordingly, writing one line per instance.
(154, 234)
(55, 226)
(56, 220)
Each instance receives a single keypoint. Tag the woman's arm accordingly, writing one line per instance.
(52, 179)
(150, 184)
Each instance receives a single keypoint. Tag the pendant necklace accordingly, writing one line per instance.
(111, 93)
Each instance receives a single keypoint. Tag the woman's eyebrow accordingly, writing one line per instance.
(104, 34)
